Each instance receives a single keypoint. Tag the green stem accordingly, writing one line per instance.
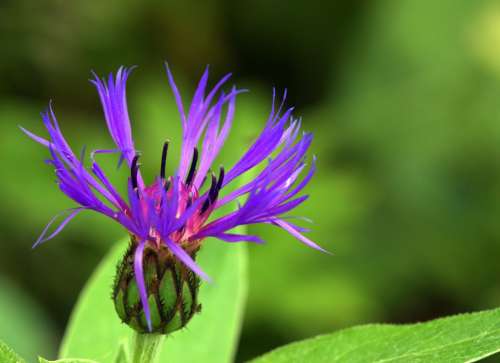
(146, 347)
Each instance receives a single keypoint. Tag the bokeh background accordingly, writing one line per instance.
(404, 101)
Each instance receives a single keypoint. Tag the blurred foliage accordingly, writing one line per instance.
(402, 98)
(25, 328)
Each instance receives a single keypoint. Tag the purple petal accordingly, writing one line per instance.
(60, 149)
(177, 95)
(231, 237)
(181, 221)
(107, 184)
(287, 227)
(262, 147)
(42, 238)
(197, 102)
(185, 258)
(36, 138)
(112, 94)
(214, 141)
(141, 285)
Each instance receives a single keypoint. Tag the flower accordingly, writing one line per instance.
(173, 212)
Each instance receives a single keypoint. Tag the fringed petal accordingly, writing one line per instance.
(112, 93)
(287, 227)
(141, 285)
(231, 237)
(42, 238)
(185, 258)
(203, 118)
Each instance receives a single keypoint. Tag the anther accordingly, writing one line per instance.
(210, 195)
(213, 198)
(192, 168)
(213, 187)
(167, 185)
(205, 205)
(134, 168)
(221, 178)
(163, 159)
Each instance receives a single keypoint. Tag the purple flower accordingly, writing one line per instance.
(174, 211)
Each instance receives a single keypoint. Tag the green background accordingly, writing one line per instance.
(404, 101)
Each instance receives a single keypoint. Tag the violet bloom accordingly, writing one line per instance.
(174, 211)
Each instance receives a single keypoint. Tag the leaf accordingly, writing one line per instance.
(67, 360)
(460, 338)
(95, 331)
(122, 355)
(213, 335)
(34, 333)
(7, 355)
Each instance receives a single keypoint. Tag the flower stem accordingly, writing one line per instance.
(145, 347)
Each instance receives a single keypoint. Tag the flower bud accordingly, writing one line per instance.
(172, 291)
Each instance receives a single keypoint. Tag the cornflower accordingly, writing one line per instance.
(169, 219)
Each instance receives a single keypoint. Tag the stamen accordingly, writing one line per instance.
(213, 186)
(218, 186)
(163, 159)
(167, 185)
(192, 168)
(221, 178)
(209, 199)
(134, 170)
(205, 206)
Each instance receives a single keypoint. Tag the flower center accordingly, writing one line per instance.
(184, 196)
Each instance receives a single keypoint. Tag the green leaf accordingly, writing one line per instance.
(95, 331)
(212, 336)
(460, 338)
(122, 355)
(67, 360)
(34, 333)
(7, 355)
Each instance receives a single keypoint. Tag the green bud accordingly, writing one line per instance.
(172, 291)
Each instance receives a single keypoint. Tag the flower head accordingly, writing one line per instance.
(173, 212)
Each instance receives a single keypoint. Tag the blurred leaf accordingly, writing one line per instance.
(121, 355)
(33, 333)
(416, 119)
(67, 360)
(95, 331)
(31, 198)
(213, 335)
(460, 338)
(7, 355)
(336, 294)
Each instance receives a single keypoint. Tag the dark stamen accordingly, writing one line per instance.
(211, 192)
(205, 206)
(213, 186)
(134, 168)
(219, 185)
(192, 168)
(167, 185)
(221, 178)
(163, 159)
